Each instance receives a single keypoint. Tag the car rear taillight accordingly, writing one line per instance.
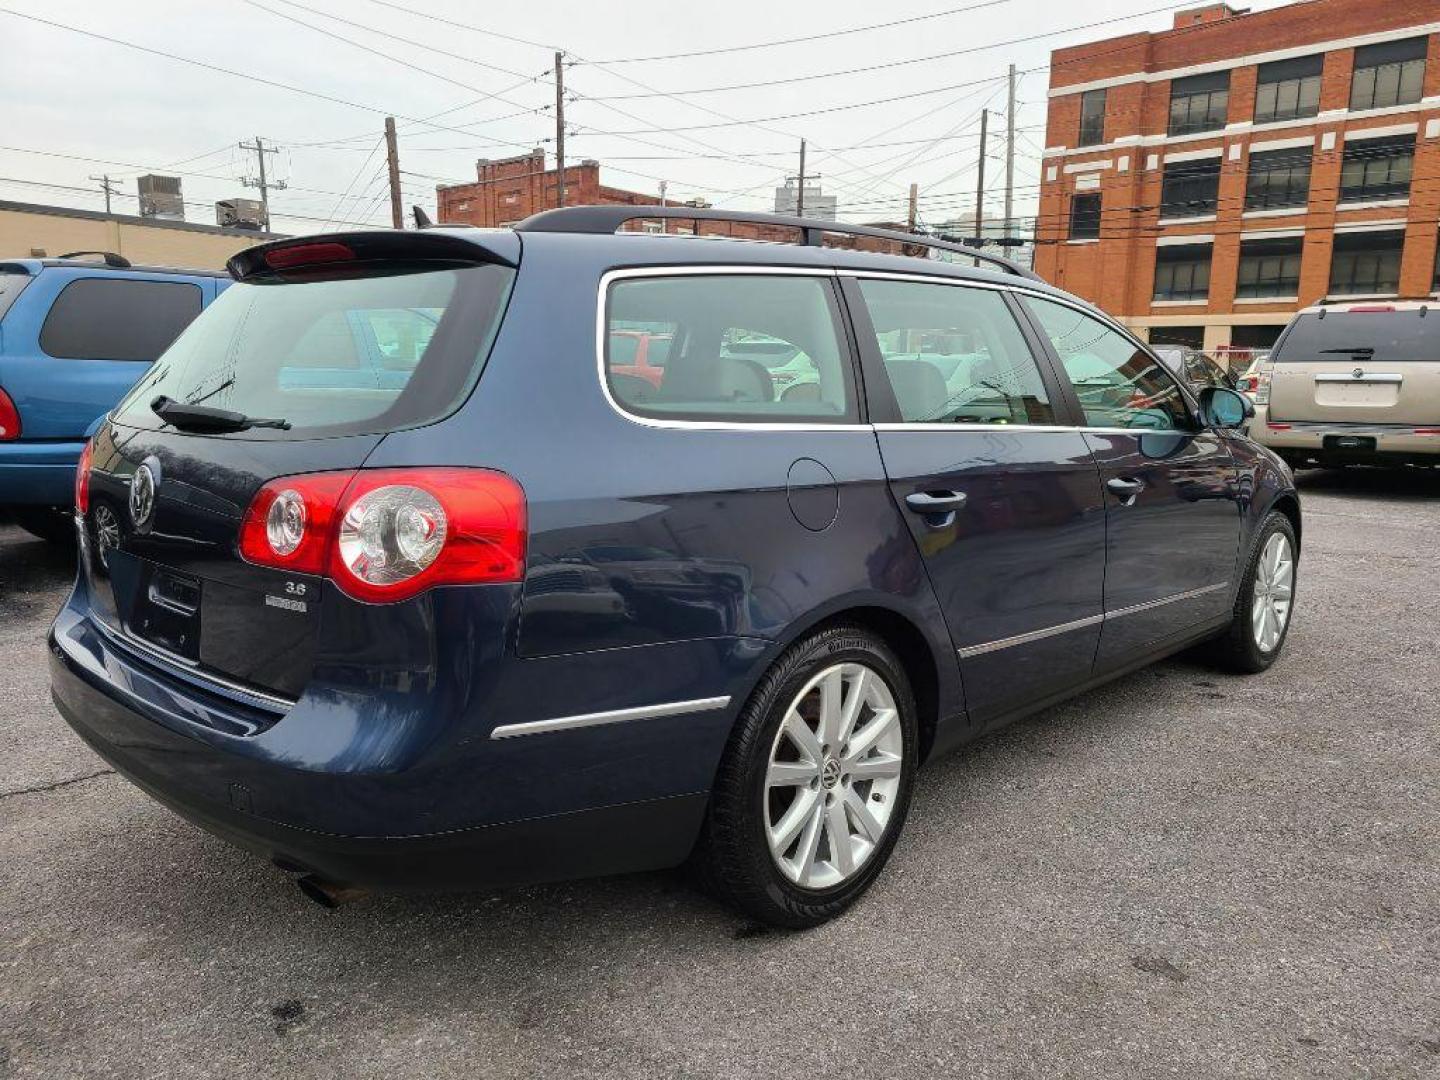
(1262, 387)
(384, 535)
(82, 479)
(9, 419)
(295, 255)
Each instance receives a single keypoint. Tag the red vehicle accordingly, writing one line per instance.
(640, 354)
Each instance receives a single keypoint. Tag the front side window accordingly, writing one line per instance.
(1377, 168)
(1092, 118)
(1388, 74)
(1190, 188)
(1118, 383)
(1085, 217)
(742, 348)
(1269, 267)
(955, 355)
(1288, 89)
(117, 319)
(1182, 272)
(1278, 179)
(1366, 263)
(1199, 103)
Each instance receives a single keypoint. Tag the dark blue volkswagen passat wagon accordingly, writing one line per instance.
(411, 588)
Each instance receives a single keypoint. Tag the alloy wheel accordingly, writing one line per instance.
(833, 776)
(1274, 589)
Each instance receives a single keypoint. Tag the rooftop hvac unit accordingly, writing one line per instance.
(240, 214)
(160, 197)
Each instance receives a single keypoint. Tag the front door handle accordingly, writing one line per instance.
(1125, 489)
(936, 502)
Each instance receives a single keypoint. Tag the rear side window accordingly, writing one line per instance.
(12, 284)
(743, 348)
(116, 319)
(955, 355)
(1119, 384)
(337, 356)
(1384, 337)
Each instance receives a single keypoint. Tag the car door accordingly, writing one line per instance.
(1003, 500)
(1173, 510)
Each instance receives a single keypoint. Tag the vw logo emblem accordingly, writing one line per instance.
(142, 496)
(1358, 373)
(830, 774)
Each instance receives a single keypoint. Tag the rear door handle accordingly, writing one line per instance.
(1125, 489)
(936, 502)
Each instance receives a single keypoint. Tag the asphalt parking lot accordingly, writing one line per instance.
(1181, 874)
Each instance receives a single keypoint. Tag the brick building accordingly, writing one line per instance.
(511, 189)
(1204, 182)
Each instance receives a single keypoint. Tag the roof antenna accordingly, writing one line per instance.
(422, 219)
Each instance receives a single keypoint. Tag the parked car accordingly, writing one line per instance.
(1354, 384)
(1249, 380)
(330, 625)
(639, 354)
(1194, 367)
(75, 334)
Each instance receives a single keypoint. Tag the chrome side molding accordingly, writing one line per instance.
(614, 716)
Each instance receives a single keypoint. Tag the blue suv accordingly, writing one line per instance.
(395, 572)
(74, 336)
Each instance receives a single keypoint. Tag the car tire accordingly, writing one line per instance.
(49, 523)
(766, 782)
(1245, 647)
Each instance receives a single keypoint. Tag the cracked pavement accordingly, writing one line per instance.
(1179, 874)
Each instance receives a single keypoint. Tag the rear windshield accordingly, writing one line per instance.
(1392, 337)
(334, 357)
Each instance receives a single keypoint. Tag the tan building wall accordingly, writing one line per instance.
(29, 230)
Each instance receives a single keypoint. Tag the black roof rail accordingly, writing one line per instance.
(117, 262)
(606, 220)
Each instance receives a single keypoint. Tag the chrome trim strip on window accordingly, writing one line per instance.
(1377, 377)
(601, 327)
(614, 716)
(187, 670)
(1025, 639)
(1016, 429)
(1079, 624)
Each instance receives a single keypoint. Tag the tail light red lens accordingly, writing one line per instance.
(384, 535)
(9, 419)
(284, 258)
(82, 479)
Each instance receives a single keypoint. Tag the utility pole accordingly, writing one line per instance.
(392, 150)
(980, 180)
(1010, 157)
(559, 129)
(800, 187)
(914, 217)
(663, 186)
(108, 188)
(259, 149)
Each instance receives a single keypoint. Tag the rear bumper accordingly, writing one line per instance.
(261, 804)
(38, 473)
(1318, 441)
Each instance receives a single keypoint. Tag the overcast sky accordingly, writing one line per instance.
(68, 94)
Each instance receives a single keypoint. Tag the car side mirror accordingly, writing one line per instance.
(1224, 408)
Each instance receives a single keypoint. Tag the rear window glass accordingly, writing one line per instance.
(1383, 336)
(334, 357)
(12, 283)
(743, 348)
(116, 319)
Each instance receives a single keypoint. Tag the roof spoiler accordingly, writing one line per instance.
(338, 252)
(109, 258)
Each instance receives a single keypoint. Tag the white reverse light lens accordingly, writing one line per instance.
(391, 534)
(285, 522)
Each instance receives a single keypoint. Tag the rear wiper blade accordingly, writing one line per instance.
(1355, 350)
(191, 417)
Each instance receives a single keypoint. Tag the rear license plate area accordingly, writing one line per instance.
(1349, 442)
(167, 613)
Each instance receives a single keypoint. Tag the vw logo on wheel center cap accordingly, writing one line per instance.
(142, 496)
(830, 773)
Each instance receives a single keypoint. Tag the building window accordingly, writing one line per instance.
(1269, 267)
(1092, 118)
(1288, 89)
(1182, 272)
(1392, 73)
(1377, 168)
(1199, 103)
(1190, 188)
(1366, 263)
(1085, 217)
(1278, 179)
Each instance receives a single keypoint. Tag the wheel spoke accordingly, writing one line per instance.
(801, 735)
(832, 692)
(791, 773)
(881, 766)
(784, 831)
(810, 843)
(854, 702)
(865, 821)
(837, 828)
(862, 740)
